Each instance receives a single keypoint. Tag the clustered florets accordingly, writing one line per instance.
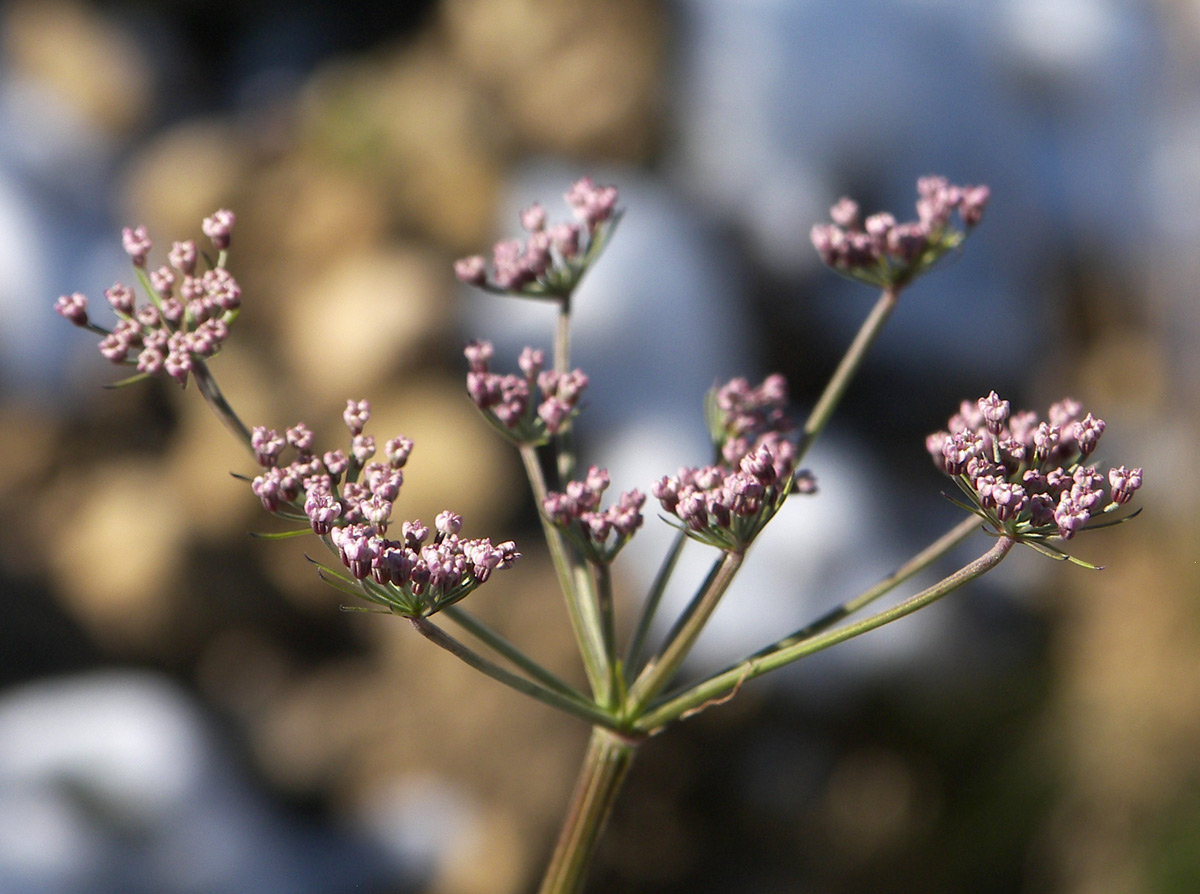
(739, 415)
(188, 315)
(601, 534)
(885, 253)
(728, 508)
(510, 399)
(728, 503)
(552, 259)
(1026, 476)
(349, 499)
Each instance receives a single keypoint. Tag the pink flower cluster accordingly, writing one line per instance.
(728, 508)
(728, 503)
(418, 578)
(1026, 475)
(510, 399)
(554, 256)
(349, 499)
(883, 252)
(601, 534)
(739, 415)
(187, 317)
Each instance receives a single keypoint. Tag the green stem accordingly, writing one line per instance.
(721, 685)
(659, 670)
(216, 400)
(564, 441)
(637, 646)
(608, 628)
(915, 565)
(578, 707)
(580, 609)
(844, 374)
(604, 769)
(509, 650)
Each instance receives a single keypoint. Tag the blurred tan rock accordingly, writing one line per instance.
(573, 78)
(303, 215)
(412, 124)
(121, 532)
(180, 177)
(84, 57)
(351, 326)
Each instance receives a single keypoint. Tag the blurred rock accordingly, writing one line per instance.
(115, 782)
(409, 123)
(181, 176)
(351, 326)
(84, 57)
(573, 79)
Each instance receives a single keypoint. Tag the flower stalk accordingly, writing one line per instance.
(605, 766)
(788, 650)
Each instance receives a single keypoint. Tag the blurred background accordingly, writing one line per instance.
(185, 709)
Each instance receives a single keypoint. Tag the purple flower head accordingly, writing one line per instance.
(553, 256)
(844, 213)
(531, 362)
(591, 204)
(564, 237)
(121, 299)
(741, 417)
(533, 218)
(362, 448)
(1124, 482)
(222, 288)
(974, 200)
(267, 445)
(397, 451)
(479, 355)
(183, 257)
(1026, 477)
(1087, 432)
(219, 228)
(471, 270)
(509, 399)
(890, 254)
(185, 321)
(600, 534)
(356, 415)
(300, 437)
(137, 244)
(728, 506)
(994, 411)
(73, 307)
(448, 523)
(163, 281)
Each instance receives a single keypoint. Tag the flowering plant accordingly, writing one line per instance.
(1024, 480)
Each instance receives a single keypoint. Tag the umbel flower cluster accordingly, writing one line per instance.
(881, 252)
(528, 408)
(600, 534)
(554, 257)
(188, 313)
(1027, 476)
(349, 500)
(728, 503)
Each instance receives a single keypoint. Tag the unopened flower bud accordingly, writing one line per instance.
(472, 270)
(356, 415)
(137, 244)
(844, 213)
(219, 228)
(73, 307)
